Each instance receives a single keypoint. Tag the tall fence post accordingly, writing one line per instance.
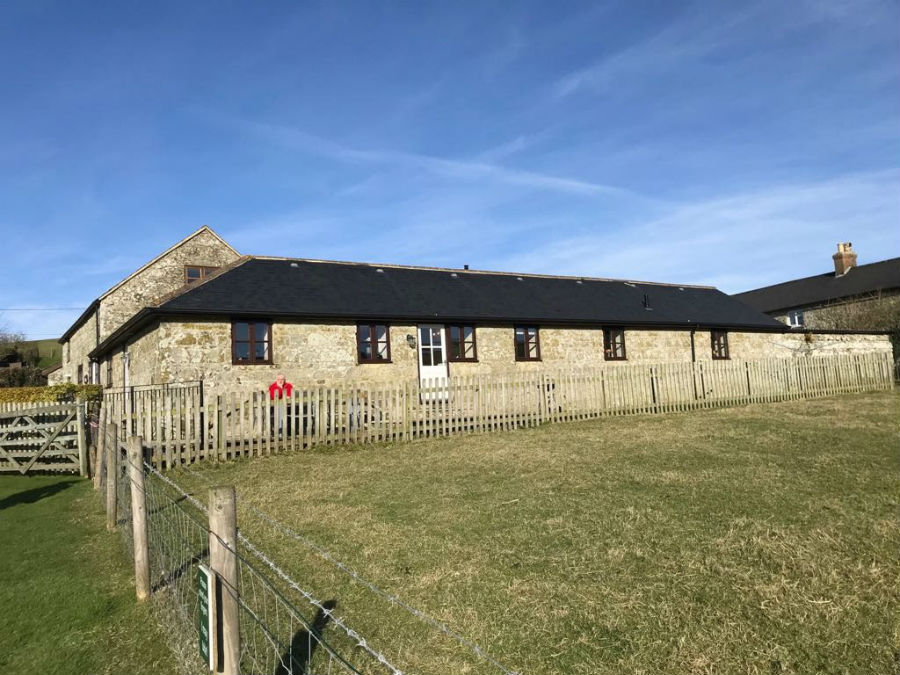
(223, 562)
(112, 474)
(101, 447)
(82, 441)
(139, 517)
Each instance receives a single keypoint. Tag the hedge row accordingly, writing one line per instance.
(51, 394)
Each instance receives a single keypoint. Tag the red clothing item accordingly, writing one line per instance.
(279, 392)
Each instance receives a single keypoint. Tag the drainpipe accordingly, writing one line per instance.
(126, 407)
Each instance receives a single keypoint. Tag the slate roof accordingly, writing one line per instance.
(825, 288)
(306, 289)
(346, 290)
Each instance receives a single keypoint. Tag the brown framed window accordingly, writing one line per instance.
(109, 371)
(614, 344)
(719, 340)
(461, 343)
(194, 273)
(373, 343)
(251, 342)
(80, 379)
(528, 345)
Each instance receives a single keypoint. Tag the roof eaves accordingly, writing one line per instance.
(774, 326)
(123, 332)
(80, 321)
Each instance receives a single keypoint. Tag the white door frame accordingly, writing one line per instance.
(431, 347)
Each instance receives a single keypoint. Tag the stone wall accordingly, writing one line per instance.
(75, 351)
(160, 278)
(875, 312)
(326, 352)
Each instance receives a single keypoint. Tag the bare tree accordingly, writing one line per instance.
(10, 343)
(876, 311)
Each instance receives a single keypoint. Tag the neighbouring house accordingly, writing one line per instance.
(852, 297)
(202, 311)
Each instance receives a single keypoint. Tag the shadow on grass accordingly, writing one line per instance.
(179, 571)
(35, 494)
(304, 643)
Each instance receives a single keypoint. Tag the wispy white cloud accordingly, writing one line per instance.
(449, 168)
(692, 36)
(740, 241)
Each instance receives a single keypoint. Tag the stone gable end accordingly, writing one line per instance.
(160, 278)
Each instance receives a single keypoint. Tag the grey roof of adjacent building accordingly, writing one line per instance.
(825, 288)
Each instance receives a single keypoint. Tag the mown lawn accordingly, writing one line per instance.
(67, 601)
(761, 539)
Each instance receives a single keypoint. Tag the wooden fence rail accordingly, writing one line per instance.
(187, 424)
(42, 437)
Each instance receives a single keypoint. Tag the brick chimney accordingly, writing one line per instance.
(844, 259)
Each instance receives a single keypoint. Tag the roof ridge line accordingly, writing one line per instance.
(458, 270)
(831, 275)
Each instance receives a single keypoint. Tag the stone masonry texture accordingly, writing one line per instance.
(175, 351)
(160, 278)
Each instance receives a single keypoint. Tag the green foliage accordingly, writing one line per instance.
(56, 392)
(36, 353)
(67, 597)
(26, 376)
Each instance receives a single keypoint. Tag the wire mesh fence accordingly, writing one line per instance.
(277, 636)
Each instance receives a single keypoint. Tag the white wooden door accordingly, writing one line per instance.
(432, 355)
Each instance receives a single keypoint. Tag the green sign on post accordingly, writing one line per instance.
(204, 613)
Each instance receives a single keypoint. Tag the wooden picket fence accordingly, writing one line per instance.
(188, 424)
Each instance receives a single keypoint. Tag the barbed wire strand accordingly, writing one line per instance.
(352, 634)
(386, 595)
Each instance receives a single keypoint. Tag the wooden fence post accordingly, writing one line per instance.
(223, 562)
(139, 517)
(101, 447)
(112, 475)
(82, 442)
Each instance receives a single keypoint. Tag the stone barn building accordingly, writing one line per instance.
(202, 311)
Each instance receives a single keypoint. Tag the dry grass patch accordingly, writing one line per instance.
(757, 539)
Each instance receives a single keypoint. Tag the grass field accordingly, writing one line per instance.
(761, 539)
(66, 598)
(50, 351)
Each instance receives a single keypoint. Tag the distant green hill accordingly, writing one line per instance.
(49, 352)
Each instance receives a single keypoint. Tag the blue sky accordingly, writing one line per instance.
(723, 143)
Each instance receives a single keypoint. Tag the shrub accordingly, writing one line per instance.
(52, 394)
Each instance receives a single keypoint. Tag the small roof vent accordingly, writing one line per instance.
(580, 281)
(294, 265)
(519, 279)
(628, 283)
(379, 270)
(454, 275)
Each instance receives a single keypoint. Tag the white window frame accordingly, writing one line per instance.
(795, 318)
